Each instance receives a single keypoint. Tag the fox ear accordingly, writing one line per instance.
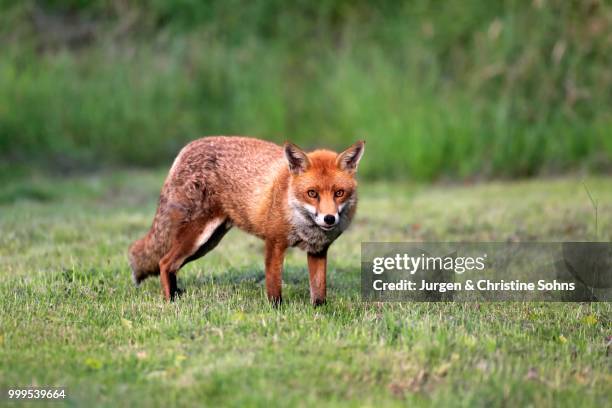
(348, 160)
(297, 159)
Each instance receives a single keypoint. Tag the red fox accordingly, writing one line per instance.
(283, 195)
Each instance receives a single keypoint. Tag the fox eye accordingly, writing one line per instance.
(339, 193)
(312, 194)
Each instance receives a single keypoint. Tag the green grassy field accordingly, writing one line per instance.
(70, 316)
(470, 89)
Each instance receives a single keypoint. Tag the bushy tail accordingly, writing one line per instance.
(143, 260)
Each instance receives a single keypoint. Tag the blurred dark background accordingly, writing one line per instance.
(440, 90)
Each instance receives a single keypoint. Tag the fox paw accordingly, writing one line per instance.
(318, 302)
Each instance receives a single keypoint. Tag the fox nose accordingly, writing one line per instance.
(330, 219)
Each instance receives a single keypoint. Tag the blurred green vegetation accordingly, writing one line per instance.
(455, 90)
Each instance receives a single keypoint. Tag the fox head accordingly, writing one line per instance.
(323, 186)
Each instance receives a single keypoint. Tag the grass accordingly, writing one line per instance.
(69, 315)
(471, 89)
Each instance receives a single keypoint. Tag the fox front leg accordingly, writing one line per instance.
(275, 255)
(317, 269)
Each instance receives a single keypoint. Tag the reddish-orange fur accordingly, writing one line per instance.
(280, 194)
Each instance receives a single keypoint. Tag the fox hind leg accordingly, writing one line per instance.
(193, 240)
(211, 243)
